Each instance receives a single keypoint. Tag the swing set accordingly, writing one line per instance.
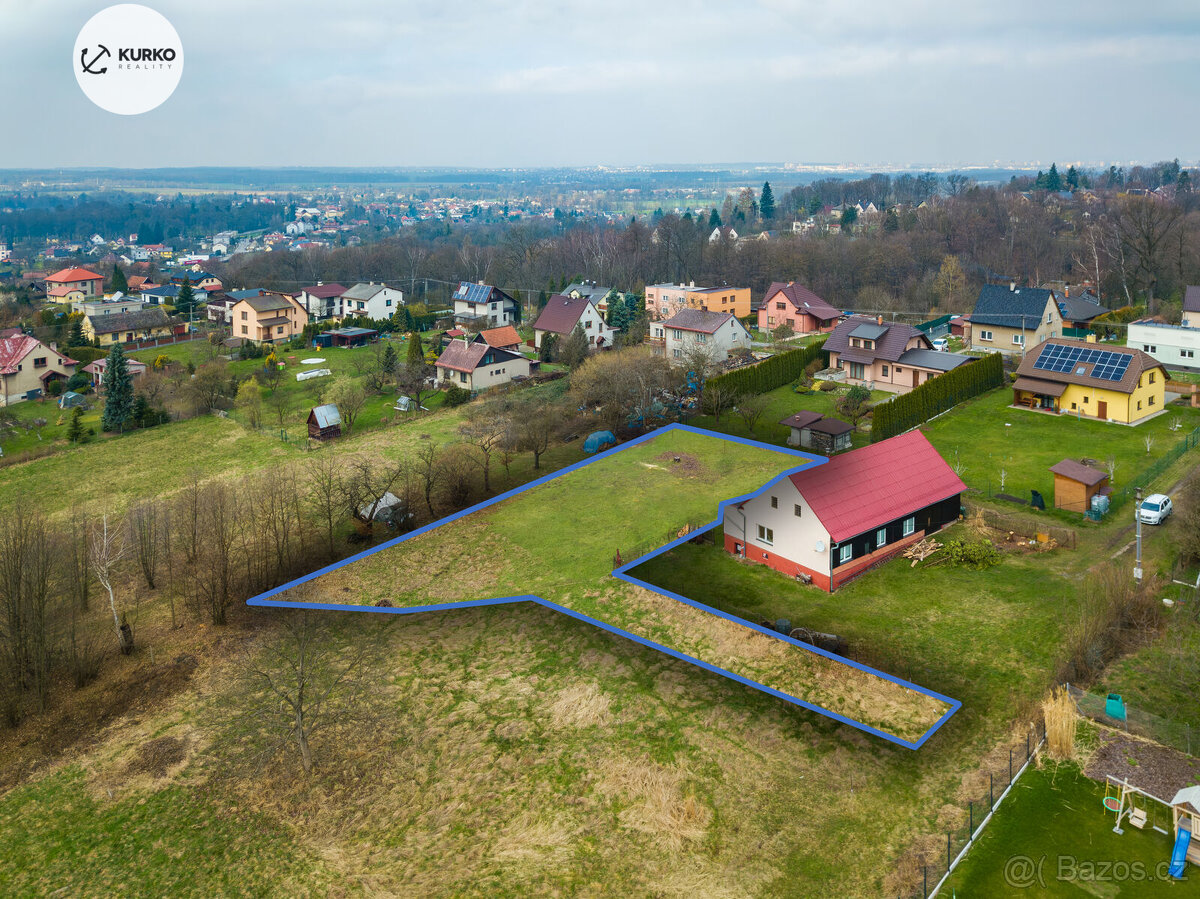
(1132, 804)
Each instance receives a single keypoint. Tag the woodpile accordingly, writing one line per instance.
(921, 550)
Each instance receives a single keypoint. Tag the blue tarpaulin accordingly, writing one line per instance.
(598, 441)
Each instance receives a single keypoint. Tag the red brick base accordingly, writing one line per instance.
(843, 574)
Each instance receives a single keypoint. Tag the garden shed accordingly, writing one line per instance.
(1075, 484)
(325, 422)
(828, 436)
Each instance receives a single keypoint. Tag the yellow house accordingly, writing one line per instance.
(269, 318)
(126, 327)
(66, 295)
(664, 300)
(1109, 383)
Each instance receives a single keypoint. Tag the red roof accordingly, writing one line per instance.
(63, 291)
(459, 356)
(325, 291)
(14, 349)
(868, 487)
(561, 314)
(74, 274)
(501, 337)
(802, 299)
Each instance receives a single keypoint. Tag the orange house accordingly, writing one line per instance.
(270, 318)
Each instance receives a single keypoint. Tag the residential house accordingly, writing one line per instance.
(138, 283)
(1109, 383)
(27, 366)
(720, 333)
(269, 318)
(591, 291)
(798, 307)
(321, 301)
(168, 294)
(1078, 309)
(562, 314)
(374, 301)
(203, 280)
(97, 369)
(827, 524)
(1191, 307)
(66, 295)
(664, 300)
(1177, 346)
(505, 338)
(885, 355)
(118, 302)
(1009, 319)
(477, 366)
(89, 282)
(722, 231)
(478, 301)
(126, 327)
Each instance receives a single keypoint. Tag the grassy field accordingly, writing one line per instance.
(557, 541)
(1053, 837)
(984, 435)
(19, 439)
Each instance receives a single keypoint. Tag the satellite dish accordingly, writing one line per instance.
(820, 546)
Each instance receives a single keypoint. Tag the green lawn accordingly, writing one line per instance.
(985, 435)
(558, 540)
(61, 839)
(1161, 678)
(18, 439)
(1052, 837)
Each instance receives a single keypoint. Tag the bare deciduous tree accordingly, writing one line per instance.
(107, 548)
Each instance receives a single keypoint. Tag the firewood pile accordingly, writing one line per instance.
(921, 550)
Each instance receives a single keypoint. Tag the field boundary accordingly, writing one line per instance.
(267, 599)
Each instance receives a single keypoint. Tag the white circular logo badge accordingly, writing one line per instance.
(128, 59)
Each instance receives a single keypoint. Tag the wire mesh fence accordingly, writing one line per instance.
(1111, 710)
(1151, 472)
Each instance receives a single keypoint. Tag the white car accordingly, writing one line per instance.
(1155, 508)
(941, 344)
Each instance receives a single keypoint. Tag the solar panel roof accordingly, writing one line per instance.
(1106, 365)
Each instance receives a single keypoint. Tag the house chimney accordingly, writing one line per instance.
(879, 319)
(1012, 285)
(319, 283)
(1067, 290)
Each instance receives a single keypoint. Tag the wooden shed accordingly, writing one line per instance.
(828, 436)
(325, 422)
(1075, 484)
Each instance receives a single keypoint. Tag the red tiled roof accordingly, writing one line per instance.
(802, 299)
(325, 291)
(506, 336)
(63, 291)
(864, 488)
(561, 314)
(74, 274)
(13, 350)
(460, 356)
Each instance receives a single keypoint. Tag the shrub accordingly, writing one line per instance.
(771, 373)
(976, 555)
(456, 396)
(828, 386)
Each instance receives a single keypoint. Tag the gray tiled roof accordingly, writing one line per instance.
(933, 359)
(700, 320)
(1005, 307)
(890, 346)
(141, 320)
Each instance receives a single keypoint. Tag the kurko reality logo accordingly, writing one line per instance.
(128, 59)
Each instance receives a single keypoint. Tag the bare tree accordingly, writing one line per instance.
(326, 493)
(428, 472)
(750, 408)
(107, 549)
(349, 396)
(366, 482)
(308, 678)
(715, 398)
(143, 525)
(484, 429)
(27, 584)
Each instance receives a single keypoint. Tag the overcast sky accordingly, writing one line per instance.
(623, 82)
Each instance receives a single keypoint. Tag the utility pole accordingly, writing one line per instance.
(1137, 517)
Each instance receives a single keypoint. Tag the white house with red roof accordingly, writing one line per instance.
(478, 366)
(89, 282)
(827, 524)
(27, 365)
(321, 301)
(718, 332)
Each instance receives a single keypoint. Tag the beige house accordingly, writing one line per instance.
(664, 300)
(126, 327)
(27, 365)
(270, 318)
(1010, 319)
(477, 366)
(885, 355)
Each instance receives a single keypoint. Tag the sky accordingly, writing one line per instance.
(529, 83)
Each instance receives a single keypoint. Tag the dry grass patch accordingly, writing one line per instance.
(580, 705)
(656, 800)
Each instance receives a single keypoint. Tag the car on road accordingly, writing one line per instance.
(1155, 508)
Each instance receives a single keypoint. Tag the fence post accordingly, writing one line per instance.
(971, 819)
(1027, 747)
(949, 852)
(1010, 765)
(991, 792)
(924, 881)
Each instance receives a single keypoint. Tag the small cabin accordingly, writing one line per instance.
(1075, 484)
(828, 436)
(324, 422)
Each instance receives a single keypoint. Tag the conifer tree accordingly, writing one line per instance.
(118, 391)
(766, 202)
(119, 282)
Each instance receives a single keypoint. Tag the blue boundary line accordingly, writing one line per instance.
(265, 599)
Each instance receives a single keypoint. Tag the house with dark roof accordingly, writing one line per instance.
(720, 333)
(321, 300)
(1007, 319)
(792, 304)
(827, 524)
(474, 302)
(562, 314)
(889, 356)
(477, 366)
(126, 327)
(27, 366)
(374, 301)
(1079, 308)
(168, 294)
(814, 431)
(591, 290)
(1109, 383)
(1191, 307)
(268, 318)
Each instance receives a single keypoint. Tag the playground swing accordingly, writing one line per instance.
(1121, 798)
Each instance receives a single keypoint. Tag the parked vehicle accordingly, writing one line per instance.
(1155, 508)
(941, 344)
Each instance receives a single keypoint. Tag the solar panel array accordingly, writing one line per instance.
(1107, 365)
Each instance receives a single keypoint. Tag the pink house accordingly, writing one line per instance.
(798, 307)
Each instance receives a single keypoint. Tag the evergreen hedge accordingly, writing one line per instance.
(933, 397)
(771, 373)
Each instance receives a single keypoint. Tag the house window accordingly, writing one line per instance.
(279, 330)
(387, 303)
(796, 509)
(1186, 354)
(846, 553)
(1139, 404)
(701, 338)
(1072, 405)
(766, 535)
(1152, 399)
(1151, 377)
(1019, 339)
(880, 537)
(774, 502)
(857, 370)
(39, 362)
(1153, 349)
(245, 315)
(1049, 318)
(885, 371)
(781, 305)
(770, 319)
(1086, 400)
(462, 376)
(678, 354)
(985, 335)
(910, 525)
(677, 334)
(245, 329)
